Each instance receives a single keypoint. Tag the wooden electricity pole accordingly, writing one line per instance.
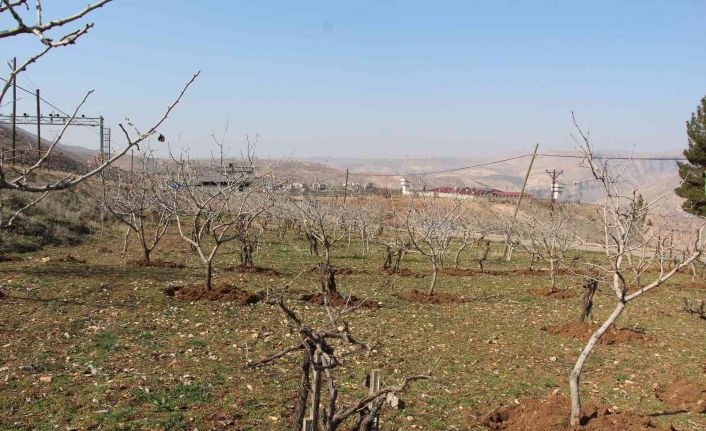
(519, 198)
(345, 188)
(14, 107)
(39, 126)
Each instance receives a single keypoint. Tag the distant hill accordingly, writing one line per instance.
(64, 157)
(652, 178)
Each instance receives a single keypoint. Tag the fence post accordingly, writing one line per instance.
(375, 385)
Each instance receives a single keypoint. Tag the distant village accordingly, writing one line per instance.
(365, 188)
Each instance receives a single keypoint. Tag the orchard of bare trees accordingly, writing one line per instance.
(633, 252)
(220, 293)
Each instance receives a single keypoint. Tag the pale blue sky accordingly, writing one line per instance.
(388, 77)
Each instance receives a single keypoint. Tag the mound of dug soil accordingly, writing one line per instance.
(344, 271)
(338, 300)
(436, 299)
(552, 414)
(527, 271)
(223, 292)
(696, 286)
(460, 272)
(683, 395)
(583, 331)
(154, 263)
(6, 258)
(540, 272)
(254, 270)
(70, 259)
(557, 294)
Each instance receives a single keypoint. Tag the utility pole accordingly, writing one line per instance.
(39, 126)
(102, 143)
(519, 198)
(14, 107)
(345, 188)
(554, 175)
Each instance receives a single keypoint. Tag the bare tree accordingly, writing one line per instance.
(396, 242)
(215, 203)
(472, 227)
(369, 215)
(17, 178)
(430, 224)
(548, 236)
(133, 199)
(323, 219)
(321, 353)
(624, 234)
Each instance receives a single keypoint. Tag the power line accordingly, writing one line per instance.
(30, 92)
(441, 171)
(573, 156)
(61, 111)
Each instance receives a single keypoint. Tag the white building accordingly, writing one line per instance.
(406, 186)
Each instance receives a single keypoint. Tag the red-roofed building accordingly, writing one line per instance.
(476, 192)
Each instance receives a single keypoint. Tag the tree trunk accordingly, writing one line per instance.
(313, 244)
(552, 274)
(589, 285)
(433, 278)
(576, 373)
(387, 264)
(316, 395)
(303, 396)
(195, 234)
(327, 254)
(126, 238)
(328, 278)
(400, 253)
(246, 254)
(483, 255)
(146, 251)
(458, 254)
(209, 275)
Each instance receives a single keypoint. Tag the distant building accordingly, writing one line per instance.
(233, 173)
(472, 192)
(406, 187)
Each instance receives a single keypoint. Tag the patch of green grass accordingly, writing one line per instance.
(106, 341)
(174, 421)
(549, 383)
(120, 419)
(176, 398)
(198, 343)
